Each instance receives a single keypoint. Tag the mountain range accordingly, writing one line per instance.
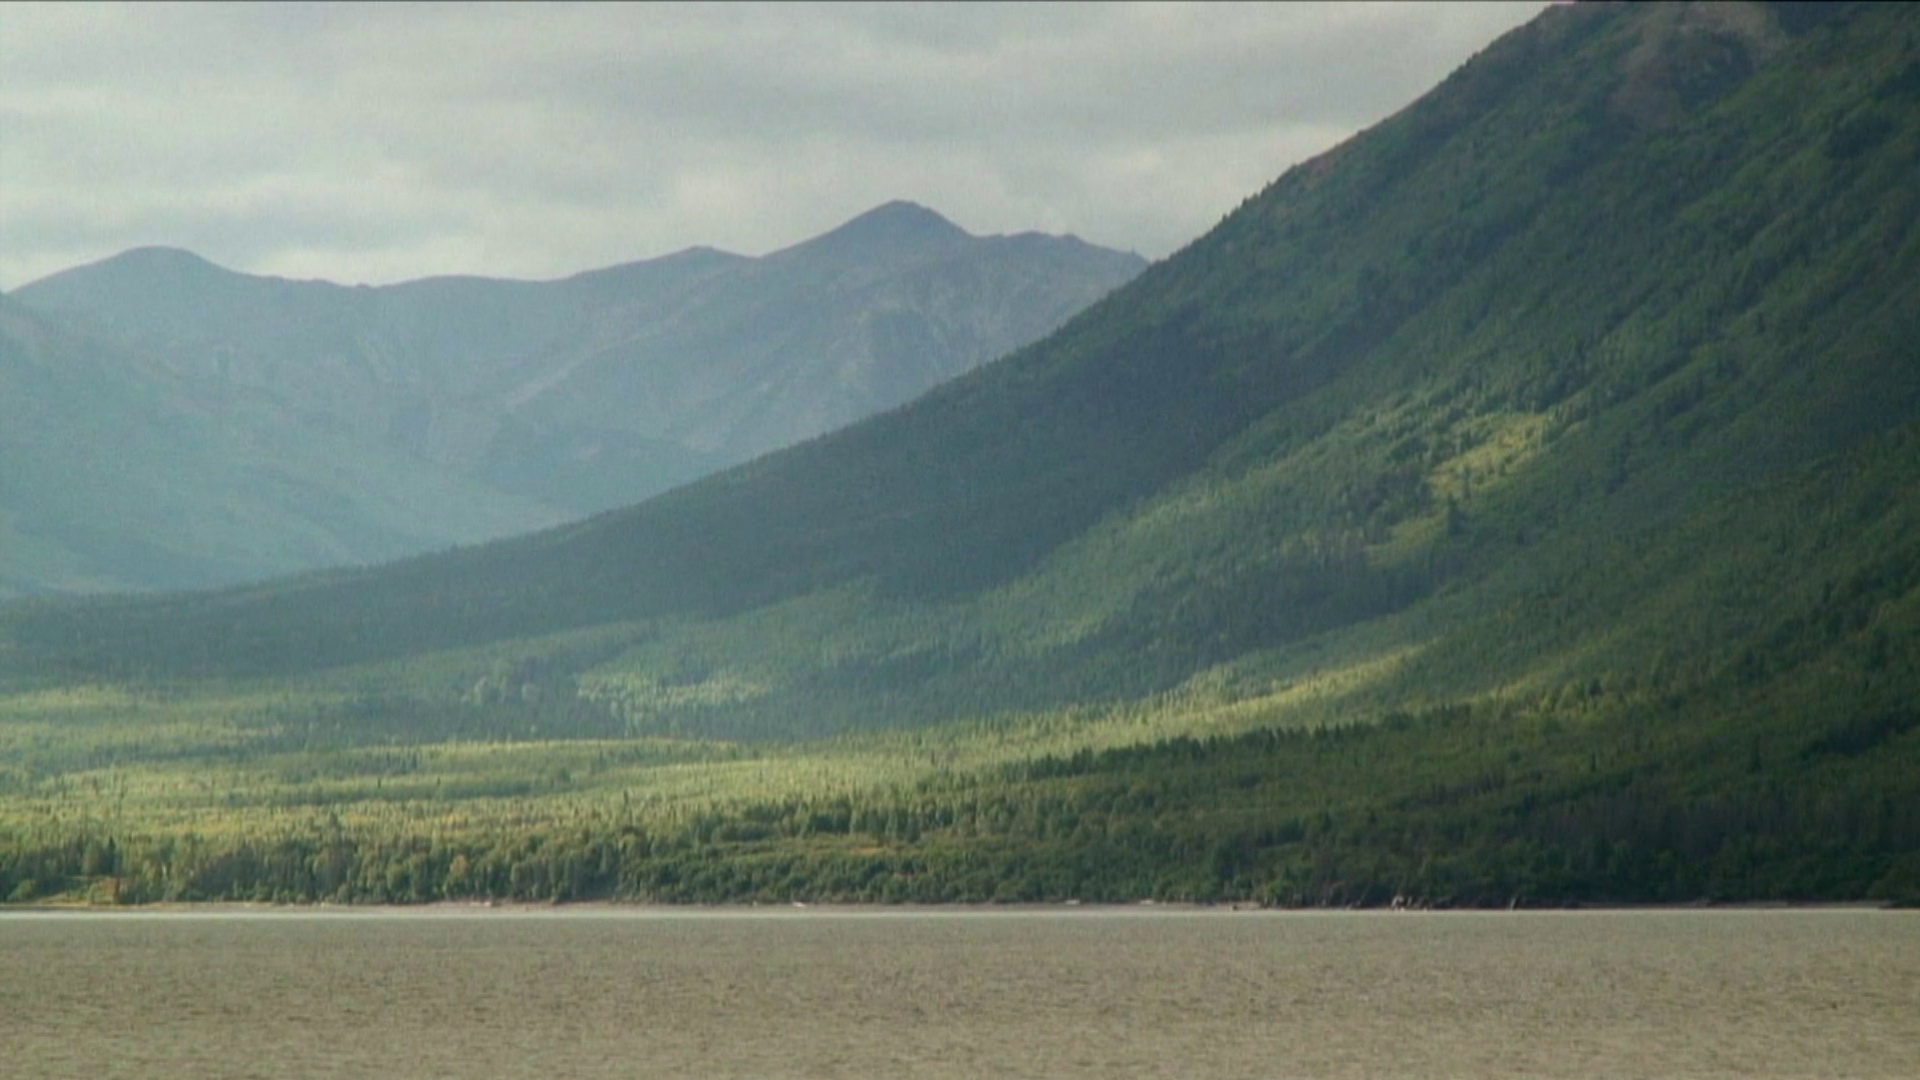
(267, 425)
(1520, 501)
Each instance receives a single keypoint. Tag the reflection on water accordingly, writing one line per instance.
(1131, 993)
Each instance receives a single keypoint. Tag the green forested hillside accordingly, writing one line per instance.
(1517, 502)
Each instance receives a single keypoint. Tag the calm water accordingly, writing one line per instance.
(960, 994)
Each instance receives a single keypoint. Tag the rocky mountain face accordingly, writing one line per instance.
(514, 404)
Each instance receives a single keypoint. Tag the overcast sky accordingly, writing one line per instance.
(383, 142)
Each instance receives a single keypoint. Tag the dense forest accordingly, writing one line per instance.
(1518, 504)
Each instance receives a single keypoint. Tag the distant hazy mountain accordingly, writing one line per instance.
(511, 404)
(778, 349)
(117, 473)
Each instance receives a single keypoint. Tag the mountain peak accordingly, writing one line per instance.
(141, 265)
(160, 254)
(901, 214)
(156, 259)
(889, 226)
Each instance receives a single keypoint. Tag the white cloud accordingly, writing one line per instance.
(380, 142)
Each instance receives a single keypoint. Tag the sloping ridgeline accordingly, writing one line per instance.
(1565, 422)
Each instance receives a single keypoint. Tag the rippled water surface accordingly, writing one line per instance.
(1081, 993)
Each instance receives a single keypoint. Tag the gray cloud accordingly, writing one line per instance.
(381, 142)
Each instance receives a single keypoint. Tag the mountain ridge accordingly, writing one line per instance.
(563, 397)
(894, 218)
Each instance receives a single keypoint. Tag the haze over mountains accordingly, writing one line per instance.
(188, 425)
(1551, 450)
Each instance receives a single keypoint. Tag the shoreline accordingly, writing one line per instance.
(485, 908)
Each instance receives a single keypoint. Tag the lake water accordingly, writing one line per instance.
(884, 994)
